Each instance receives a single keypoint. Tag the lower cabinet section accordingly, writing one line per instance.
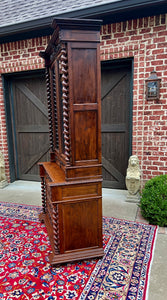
(72, 213)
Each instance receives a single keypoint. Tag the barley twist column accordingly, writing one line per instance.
(49, 108)
(56, 229)
(55, 111)
(43, 194)
(65, 99)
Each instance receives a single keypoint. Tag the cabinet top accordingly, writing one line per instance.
(71, 30)
(78, 24)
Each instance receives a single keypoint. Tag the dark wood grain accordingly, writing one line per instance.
(30, 126)
(72, 181)
(115, 83)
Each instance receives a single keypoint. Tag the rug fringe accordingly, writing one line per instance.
(150, 264)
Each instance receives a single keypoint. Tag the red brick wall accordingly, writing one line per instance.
(145, 40)
(15, 57)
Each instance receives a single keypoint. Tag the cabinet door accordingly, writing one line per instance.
(84, 77)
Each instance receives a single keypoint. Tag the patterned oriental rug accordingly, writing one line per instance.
(25, 272)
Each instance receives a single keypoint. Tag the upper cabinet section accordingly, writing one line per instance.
(72, 60)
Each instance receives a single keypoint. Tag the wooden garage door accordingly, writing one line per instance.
(115, 124)
(30, 125)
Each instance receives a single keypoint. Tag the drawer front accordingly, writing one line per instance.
(80, 190)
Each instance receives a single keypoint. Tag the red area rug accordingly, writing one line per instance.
(25, 272)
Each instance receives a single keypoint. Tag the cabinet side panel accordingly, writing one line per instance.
(85, 137)
(81, 224)
(84, 73)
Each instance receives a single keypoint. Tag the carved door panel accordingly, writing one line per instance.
(30, 125)
(115, 124)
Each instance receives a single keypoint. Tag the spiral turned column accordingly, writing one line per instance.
(43, 194)
(65, 99)
(49, 109)
(55, 111)
(56, 229)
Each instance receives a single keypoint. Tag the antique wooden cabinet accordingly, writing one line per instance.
(71, 181)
